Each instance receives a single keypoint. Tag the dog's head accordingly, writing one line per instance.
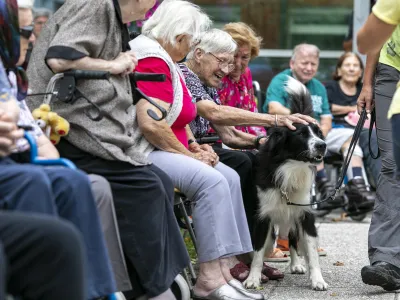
(306, 144)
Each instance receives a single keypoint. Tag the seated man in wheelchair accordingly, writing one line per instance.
(303, 66)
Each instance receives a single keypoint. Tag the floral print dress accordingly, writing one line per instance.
(241, 95)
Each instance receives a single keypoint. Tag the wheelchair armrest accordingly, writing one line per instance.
(45, 162)
(208, 139)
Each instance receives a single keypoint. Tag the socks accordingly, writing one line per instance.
(354, 172)
(321, 174)
(167, 295)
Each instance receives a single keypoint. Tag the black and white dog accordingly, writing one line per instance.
(286, 165)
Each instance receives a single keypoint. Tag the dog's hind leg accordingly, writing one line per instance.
(295, 263)
(310, 244)
(264, 238)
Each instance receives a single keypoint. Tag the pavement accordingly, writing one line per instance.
(346, 242)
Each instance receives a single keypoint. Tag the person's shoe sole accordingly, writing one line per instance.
(380, 277)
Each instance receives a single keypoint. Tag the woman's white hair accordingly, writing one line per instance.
(215, 41)
(175, 17)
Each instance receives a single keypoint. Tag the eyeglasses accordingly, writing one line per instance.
(26, 32)
(223, 64)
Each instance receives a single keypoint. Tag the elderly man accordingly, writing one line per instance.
(303, 66)
(41, 15)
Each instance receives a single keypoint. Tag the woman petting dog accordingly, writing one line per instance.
(208, 62)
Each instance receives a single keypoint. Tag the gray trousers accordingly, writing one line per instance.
(105, 207)
(218, 215)
(384, 232)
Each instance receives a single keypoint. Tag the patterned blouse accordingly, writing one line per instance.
(199, 126)
(241, 95)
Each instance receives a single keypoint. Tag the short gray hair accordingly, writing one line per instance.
(41, 12)
(215, 41)
(305, 48)
(175, 17)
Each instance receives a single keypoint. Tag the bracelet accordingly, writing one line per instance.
(276, 120)
(257, 141)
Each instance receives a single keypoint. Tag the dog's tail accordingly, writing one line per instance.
(299, 97)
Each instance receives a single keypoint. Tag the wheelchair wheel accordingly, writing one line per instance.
(119, 296)
(180, 288)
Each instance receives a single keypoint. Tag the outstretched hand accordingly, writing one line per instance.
(288, 120)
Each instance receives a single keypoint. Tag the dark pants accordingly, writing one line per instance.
(384, 232)
(243, 163)
(396, 142)
(373, 166)
(66, 193)
(42, 258)
(150, 235)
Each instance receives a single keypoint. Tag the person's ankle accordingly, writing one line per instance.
(207, 283)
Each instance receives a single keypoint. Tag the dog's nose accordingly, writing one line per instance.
(320, 146)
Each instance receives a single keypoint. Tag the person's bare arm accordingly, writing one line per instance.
(232, 116)
(124, 64)
(46, 149)
(236, 139)
(373, 35)
(160, 135)
(275, 108)
(366, 96)
(342, 109)
(326, 125)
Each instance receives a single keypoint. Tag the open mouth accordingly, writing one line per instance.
(319, 157)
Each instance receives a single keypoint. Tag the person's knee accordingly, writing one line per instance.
(74, 180)
(357, 151)
(35, 177)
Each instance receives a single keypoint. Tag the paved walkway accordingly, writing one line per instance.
(346, 242)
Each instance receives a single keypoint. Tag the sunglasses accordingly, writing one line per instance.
(26, 32)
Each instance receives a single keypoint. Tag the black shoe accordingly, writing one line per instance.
(359, 197)
(382, 274)
(326, 189)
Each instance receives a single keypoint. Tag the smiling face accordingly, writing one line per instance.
(213, 67)
(242, 59)
(305, 65)
(350, 71)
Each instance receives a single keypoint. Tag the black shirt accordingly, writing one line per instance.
(338, 97)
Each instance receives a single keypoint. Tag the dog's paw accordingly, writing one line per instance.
(298, 269)
(252, 282)
(319, 284)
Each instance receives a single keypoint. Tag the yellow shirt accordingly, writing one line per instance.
(388, 11)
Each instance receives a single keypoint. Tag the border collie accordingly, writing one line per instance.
(286, 165)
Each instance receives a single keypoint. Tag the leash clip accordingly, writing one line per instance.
(285, 197)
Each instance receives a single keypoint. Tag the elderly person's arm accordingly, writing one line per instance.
(326, 125)
(237, 139)
(342, 109)
(232, 116)
(379, 27)
(160, 135)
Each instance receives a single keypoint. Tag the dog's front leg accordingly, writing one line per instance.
(310, 244)
(295, 263)
(264, 236)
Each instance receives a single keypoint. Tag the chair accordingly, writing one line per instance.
(258, 95)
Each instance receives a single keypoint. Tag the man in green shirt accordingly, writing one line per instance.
(303, 67)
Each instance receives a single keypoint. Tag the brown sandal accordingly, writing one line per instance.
(272, 273)
(239, 269)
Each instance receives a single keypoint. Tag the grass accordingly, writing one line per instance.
(189, 245)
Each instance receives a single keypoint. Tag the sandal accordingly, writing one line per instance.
(272, 273)
(283, 245)
(239, 269)
(321, 251)
(277, 256)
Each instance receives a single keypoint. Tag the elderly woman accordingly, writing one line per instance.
(214, 188)
(92, 35)
(236, 89)
(343, 92)
(208, 62)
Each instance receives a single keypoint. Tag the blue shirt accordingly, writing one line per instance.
(276, 93)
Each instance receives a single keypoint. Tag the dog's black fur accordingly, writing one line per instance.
(285, 174)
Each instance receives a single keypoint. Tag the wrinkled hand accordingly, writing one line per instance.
(9, 133)
(366, 100)
(209, 158)
(124, 64)
(288, 121)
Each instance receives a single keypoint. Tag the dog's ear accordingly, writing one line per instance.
(276, 140)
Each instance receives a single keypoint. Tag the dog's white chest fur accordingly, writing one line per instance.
(296, 180)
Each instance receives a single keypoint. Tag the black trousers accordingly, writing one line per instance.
(41, 257)
(243, 162)
(150, 236)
